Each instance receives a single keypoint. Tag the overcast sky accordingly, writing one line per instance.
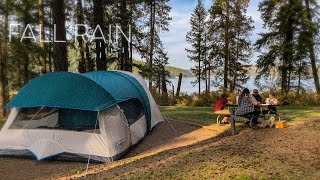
(175, 39)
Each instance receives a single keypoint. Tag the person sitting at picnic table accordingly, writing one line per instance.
(272, 103)
(219, 108)
(246, 103)
(257, 96)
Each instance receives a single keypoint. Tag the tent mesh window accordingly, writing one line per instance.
(54, 118)
(132, 109)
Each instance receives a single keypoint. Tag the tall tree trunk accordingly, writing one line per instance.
(124, 42)
(287, 54)
(206, 76)
(284, 76)
(226, 53)
(159, 80)
(101, 61)
(131, 45)
(289, 78)
(60, 55)
(3, 63)
(26, 58)
(43, 63)
(88, 59)
(209, 78)
(234, 65)
(312, 52)
(152, 29)
(299, 76)
(205, 61)
(50, 39)
(164, 87)
(179, 85)
(81, 30)
(3, 78)
(199, 69)
(26, 63)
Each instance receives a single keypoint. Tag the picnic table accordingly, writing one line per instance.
(233, 108)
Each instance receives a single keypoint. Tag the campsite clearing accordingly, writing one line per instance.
(194, 152)
(203, 115)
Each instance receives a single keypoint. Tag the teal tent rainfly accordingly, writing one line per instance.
(122, 87)
(97, 115)
(63, 90)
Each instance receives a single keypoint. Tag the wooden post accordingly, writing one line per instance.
(179, 85)
(233, 121)
(172, 90)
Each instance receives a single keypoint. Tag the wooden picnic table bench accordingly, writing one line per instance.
(233, 107)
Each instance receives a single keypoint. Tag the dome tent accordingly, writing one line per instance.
(99, 114)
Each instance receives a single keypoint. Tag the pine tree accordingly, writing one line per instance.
(240, 46)
(60, 57)
(99, 44)
(129, 15)
(4, 58)
(43, 62)
(310, 27)
(279, 45)
(157, 13)
(160, 61)
(196, 38)
(230, 47)
(80, 49)
(25, 11)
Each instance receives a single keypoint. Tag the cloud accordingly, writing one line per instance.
(175, 40)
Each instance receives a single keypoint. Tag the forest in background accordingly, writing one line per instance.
(287, 51)
(219, 39)
(140, 23)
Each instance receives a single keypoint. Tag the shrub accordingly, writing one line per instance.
(210, 99)
(303, 99)
(204, 99)
(184, 100)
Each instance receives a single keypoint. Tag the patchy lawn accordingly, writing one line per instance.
(177, 150)
(203, 115)
(291, 153)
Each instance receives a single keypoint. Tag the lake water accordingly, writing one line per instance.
(187, 86)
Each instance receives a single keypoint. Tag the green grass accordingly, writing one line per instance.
(227, 159)
(203, 115)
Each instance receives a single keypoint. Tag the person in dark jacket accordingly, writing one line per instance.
(257, 96)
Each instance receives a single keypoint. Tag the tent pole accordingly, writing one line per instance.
(32, 117)
(94, 132)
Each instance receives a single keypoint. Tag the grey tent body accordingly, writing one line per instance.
(102, 129)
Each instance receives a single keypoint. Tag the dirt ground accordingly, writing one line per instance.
(193, 152)
(165, 136)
